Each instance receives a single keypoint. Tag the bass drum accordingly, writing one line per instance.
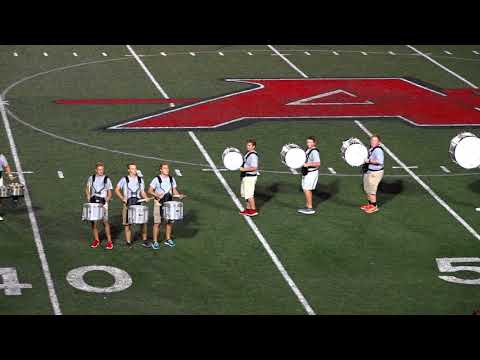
(465, 150)
(354, 152)
(232, 158)
(293, 156)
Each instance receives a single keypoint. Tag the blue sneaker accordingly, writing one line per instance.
(170, 243)
(155, 245)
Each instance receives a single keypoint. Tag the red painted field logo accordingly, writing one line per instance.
(317, 98)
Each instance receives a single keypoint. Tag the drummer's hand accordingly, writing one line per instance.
(367, 161)
(242, 168)
(124, 200)
(182, 196)
(11, 177)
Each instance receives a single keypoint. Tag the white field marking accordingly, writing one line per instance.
(45, 54)
(293, 171)
(221, 53)
(31, 214)
(163, 54)
(104, 54)
(287, 61)
(149, 74)
(422, 184)
(392, 53)
(249, 53)
(444, 67)
(307, 53)
(476, 52)
(477, 108)
(178, 172)
(60, 174)
(401, 167)
(447, 52)
(335, 53)
(415, 176)
(217, 169)
(192, 53)
(23, 172)
(364, 53)
(332, 171)
(249, 221)
(254, 228)
(280, 54)
(15, 54)
(75, 54)
(444, 169)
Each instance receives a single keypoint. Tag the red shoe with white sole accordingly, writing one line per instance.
(95, 244)
(109, 245)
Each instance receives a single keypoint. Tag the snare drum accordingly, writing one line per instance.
(465, 150)
(137, 214)
(16, 189)
(4, 192)
(293, 156)
(172, 210)
(354, 152)
(232, 158)
(92, 212)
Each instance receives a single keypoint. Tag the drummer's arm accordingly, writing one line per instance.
(143, 194)
(248, 169)
(177, 193)
(152, 192)
(87, 192)
(109, 196)
(315, 164)
(118, 192)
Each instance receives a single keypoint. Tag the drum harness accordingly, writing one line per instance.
(133, 200)
(366, 167)
(244, 173)
(94, 198)
(305, 169)
(168, 196)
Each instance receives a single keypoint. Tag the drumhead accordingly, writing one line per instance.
(467, 152)
(295, 158)
(356, 154)
(232, 159)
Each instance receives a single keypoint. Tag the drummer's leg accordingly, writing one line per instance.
(108, 233)
(144, 232)
(308, 198)
(128, 234)
(95, 231)
(168, 230)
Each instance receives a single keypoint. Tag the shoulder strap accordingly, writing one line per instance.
(105, 179)
(250, 153)
(309, 151)
(139, 179)
(93, 178)
(127, 179)
(159, 179)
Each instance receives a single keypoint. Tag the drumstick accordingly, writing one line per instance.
(145, 200)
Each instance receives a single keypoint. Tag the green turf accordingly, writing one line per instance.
(343, 261)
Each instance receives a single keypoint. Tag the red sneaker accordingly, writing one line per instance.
(252, 212)
(372, 209)
(245, 212)
(95, 244)
(109, 245)
(363, 207)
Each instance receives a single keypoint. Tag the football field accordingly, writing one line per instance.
(63, 108)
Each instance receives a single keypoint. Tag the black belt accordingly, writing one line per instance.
(250, 175)
(375, 169)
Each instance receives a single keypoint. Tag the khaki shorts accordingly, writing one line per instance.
(247, 187)
(125, 215)
(371, 180)
(157, 212)
(309, 181)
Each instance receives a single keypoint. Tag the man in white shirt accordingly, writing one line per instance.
(163, 187)
(310, 174)
(130, 189)
(99, 190)
(248, 174)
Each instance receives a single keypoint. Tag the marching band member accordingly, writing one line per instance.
(130, 189)
(162, 188)
(4, 167)
(310, 174)
(248, 174)
(373, 174)
(99, 190)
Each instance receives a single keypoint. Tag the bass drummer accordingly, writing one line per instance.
(130, 189)
(373, 174)
(4, 167)
(248, 175)
(99, 190)
(163, 187)
(310, 174)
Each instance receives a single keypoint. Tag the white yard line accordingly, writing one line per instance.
(332, 171)
(249, 53)
(236, 201)
(221, 53)
(75, 54)
(411, 173)
(392, 53)
(293, 171)
(336, 53)
(364, 53)
(104, 54)
(288, 61)
(45, 54)
(163, 54)
(192, 53)
(15, 54)
(401, 167)
(476, 52)
(447, 52)
(178, 172)
(443, 67)
(444, 169)
(307, 53)
(31, 215)
(60, 174)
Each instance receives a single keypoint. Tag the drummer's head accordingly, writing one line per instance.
(99, 168)
(164, 169)
(132, 169)
(251, 144)
(311, 142)
(375, 140)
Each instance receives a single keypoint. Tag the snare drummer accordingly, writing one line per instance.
(4, 167)
(373, 174)
(163, 187)
(248, 174)
(130, 189)
(310, 174)
(99, 190)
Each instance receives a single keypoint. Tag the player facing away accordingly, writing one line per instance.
(4, 167)
(130, 189)
(373, 174)
(99, 190)
(163, 187)
(248, 175)
(310, 174)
